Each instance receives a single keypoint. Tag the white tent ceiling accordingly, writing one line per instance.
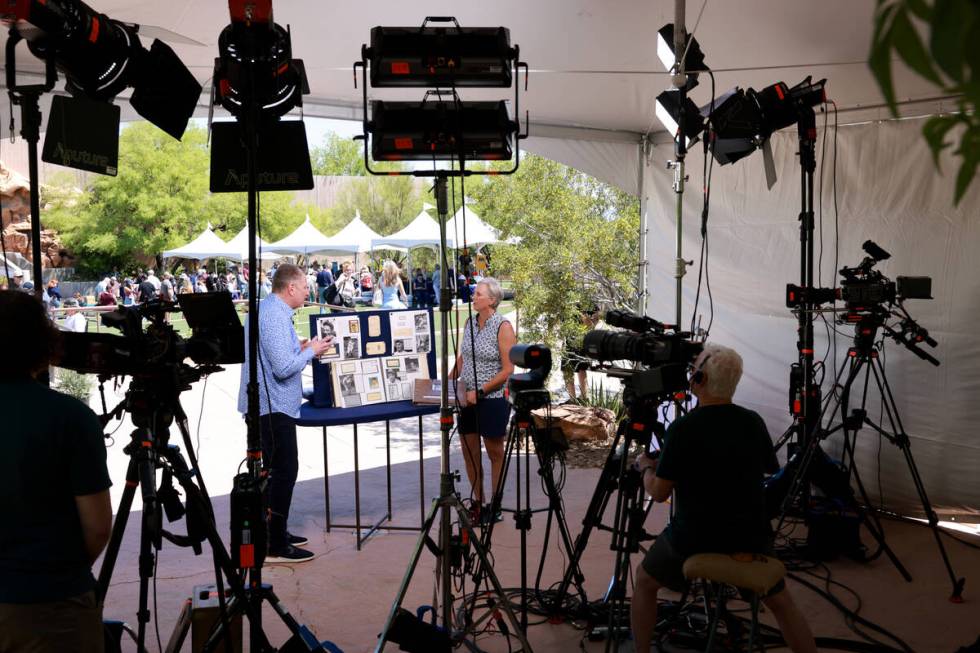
(305, 239)
(594, 68)
(477, 231)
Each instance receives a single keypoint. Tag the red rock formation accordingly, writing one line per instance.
(15, 222)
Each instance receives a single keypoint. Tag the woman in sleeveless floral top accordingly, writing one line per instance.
(484, 366)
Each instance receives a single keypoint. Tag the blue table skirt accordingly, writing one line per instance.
(310, 415)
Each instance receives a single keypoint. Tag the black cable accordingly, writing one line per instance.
(156, 610)
(853, 615)
(707, 167)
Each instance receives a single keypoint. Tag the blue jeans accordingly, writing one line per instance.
(281, 459)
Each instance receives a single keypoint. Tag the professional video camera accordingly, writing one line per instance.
(663, 352)
(160, 351)
(527, 391)
(871, 299)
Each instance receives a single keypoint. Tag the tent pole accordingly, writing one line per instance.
(680, 151)
(644, 266)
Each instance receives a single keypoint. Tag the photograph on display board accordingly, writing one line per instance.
(357, 383)
(409, 331)
(422, 344)
(346, 334)
(400, 373)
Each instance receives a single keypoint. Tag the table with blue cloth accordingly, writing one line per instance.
(311, 415)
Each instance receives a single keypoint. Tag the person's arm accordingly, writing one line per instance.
(401, 290)
(457, 368)
(505, 340)
(279, 351)
(95, 517)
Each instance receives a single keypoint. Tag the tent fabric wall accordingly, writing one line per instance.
(613, 163)
(887, 191)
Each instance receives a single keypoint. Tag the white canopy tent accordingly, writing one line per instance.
(423, 231)
(477, 231)
(238, 247)
(305, 239)
(207, 245)
(355, 238)
(594, 76)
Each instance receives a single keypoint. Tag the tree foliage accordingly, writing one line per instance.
(338, 157)
(947, 59)
(579, 244)
(386, 204)
(159, 200)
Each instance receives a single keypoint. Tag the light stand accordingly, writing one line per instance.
(453, 131)
(448, 501)
(28, 98)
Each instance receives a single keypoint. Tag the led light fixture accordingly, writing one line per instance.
(255, 63)
(431, 56)
(440, 130)
(101, 57)
(693, 60)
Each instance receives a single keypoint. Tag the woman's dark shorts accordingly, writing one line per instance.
(494, 416)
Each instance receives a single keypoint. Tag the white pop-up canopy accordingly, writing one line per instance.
(305, 240)
(477, 231)
(238, 247)
(207, 245)
(423, 231)
(355, 238)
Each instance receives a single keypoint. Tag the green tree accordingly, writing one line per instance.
(579, 244)
(159, 200)
(946, 58)
(386, 204)
(338, 157)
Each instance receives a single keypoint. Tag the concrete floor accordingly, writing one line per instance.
(344, 595)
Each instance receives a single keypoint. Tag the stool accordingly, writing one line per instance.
(752, 572)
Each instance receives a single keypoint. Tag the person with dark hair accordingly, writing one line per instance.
(54, 496)
(282, 357)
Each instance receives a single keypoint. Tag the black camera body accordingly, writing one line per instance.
(218, 338)
(663, 352)
(527, 391)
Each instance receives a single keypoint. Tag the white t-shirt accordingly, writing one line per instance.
(76, 323)
(156, 282)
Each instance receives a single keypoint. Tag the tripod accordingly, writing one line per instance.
(448, 501)
(522, 433)
(153, 409)
(864, 357)
(618, 476)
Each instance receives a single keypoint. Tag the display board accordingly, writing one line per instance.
(376, 357)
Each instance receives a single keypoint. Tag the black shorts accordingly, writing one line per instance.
(666, 565)
(494, 416)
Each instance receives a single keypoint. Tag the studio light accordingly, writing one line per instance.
(431, 56)
(441, 130)
(672, 112)
(744, 120)
(693, 60)
(257, 80)
(255, 63)
(101, 57)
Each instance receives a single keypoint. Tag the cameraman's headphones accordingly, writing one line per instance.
(698, 376)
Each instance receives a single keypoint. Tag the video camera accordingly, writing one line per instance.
(527, 391)
(664, 353)
(159, 351)
(870, 299)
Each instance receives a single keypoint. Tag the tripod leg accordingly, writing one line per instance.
(491, 576)
(902, 439)
(555, 506)
(410, 572)
(118, 530)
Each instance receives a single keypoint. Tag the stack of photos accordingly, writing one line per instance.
(346, 334)
(400, 374)
(357, 383)
(411, 333)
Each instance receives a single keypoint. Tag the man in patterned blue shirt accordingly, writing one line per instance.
(282, 358)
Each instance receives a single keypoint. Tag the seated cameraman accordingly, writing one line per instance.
(715, 457)
(54, 496)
